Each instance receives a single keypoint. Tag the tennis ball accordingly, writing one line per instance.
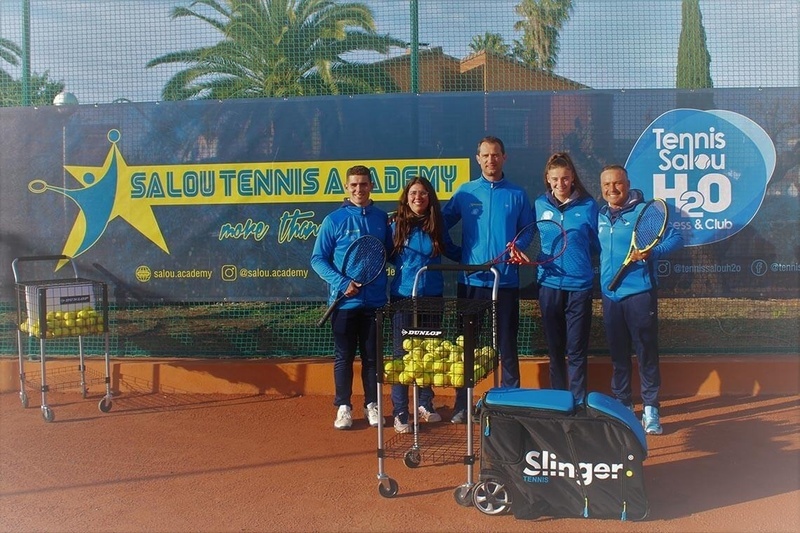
(460, 340)
(440, 379)
(408, 344)
(457, 380)
(440, 366)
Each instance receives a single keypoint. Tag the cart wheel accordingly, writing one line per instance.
(105, 405)
(463, 495)
(390, 491)
(48, 414)
(23, 398)
(491, 497)
(412, 458)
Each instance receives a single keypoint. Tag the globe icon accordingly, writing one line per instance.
(143, 274)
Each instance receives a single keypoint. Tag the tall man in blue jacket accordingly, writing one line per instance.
(491, 210)
(630, 312)
(353, 321)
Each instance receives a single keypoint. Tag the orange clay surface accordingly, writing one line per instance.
(166, 461)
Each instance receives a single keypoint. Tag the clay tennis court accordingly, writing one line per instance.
(262, 455)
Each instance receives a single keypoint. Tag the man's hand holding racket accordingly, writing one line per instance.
(647, 232)
(364, 260)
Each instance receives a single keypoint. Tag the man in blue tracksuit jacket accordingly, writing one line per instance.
(630, 312)
(491, 210)
(353, 321)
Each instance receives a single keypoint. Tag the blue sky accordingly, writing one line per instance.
(607, 44)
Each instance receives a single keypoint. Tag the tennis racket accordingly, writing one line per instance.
(364, 260)
(541, 242)
(650, 227)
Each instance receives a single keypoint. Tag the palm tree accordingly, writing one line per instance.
(10, 53)
(491, 42)
(279, 48)
(42, 88)
(540, 24)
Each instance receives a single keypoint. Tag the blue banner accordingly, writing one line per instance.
(216, 201)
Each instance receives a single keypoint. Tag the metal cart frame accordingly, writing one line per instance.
(33, 297)
(387, 486)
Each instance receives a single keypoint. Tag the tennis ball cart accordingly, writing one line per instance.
(58, 309)
(439, 342)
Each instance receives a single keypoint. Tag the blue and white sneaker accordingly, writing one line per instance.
(651, 421)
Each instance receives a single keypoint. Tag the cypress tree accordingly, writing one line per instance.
(694, 61)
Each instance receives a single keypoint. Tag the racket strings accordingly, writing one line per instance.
(649, 226)
(552, 239)
(541, 241)
(365, 261)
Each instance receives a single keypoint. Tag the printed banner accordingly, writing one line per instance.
(221, 201)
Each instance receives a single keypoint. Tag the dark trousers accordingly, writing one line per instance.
(633, 323)
(567, 322)
(507, 330)
(354, 331)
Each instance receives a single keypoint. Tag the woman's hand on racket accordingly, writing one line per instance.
(517, 256)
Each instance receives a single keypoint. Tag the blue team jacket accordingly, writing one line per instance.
(615, 241)
(337, 231)
(491, 214)
(573, 270)
(416, 254)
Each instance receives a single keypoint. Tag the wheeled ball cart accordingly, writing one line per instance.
(51, 309)
(437, 342)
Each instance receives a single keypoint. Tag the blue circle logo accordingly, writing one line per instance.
(712, 168)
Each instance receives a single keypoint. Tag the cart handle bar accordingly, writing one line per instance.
(461, 268)
(41, 258)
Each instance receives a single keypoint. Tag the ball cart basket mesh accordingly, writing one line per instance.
(541, 455)
(52, 309)
(438, 342)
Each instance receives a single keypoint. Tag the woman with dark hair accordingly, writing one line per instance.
(565, 285)
(419, 240)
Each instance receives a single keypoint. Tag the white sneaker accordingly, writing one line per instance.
(459, 417)
(371, 414)
(428, 416)
(344, 418)
(400, 426)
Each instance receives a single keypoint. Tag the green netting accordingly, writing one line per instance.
(107, 51)
(255, 330)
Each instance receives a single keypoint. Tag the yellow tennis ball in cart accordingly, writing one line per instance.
(440, 379)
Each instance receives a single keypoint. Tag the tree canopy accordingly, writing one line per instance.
(278, 48)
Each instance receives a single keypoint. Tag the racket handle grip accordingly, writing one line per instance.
(329, 311)
(615, 282)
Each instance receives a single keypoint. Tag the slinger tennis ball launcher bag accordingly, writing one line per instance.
(543, 456)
